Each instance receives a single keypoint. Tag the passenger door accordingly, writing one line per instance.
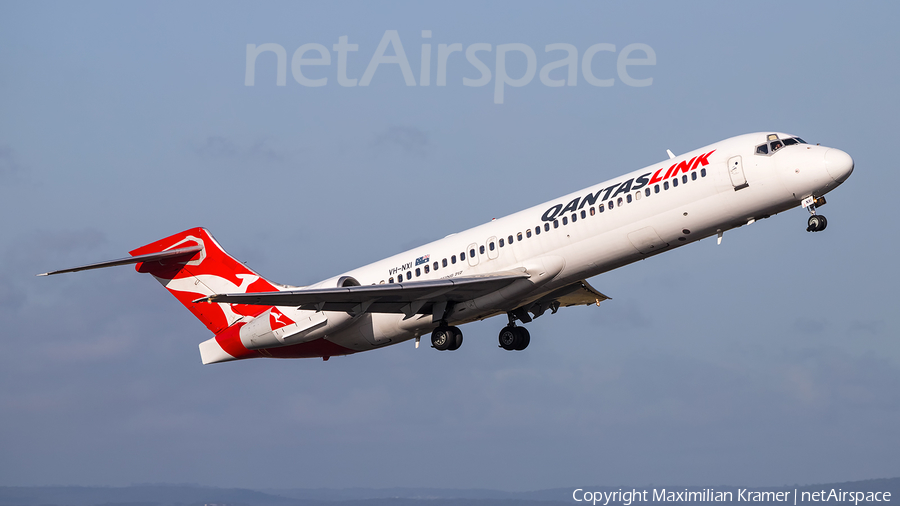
(736, 172)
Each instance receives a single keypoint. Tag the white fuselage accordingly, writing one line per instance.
(600, 228)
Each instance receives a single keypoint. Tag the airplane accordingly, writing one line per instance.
(521, 265)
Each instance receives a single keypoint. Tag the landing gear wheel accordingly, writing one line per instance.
(524, 338)
(442, 338)
(514, 338)
(457, 339)
(816, 223)
(509, 338)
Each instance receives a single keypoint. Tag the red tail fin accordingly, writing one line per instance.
(209, 271)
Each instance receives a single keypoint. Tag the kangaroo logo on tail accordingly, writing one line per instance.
(208, 272)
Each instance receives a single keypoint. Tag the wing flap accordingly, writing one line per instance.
(580, 293)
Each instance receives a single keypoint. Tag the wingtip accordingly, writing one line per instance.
(43, 274)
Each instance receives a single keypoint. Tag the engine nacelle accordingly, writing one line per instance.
(273, 328)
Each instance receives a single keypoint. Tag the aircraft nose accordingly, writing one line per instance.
(838, 164)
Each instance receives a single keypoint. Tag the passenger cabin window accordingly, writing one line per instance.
(391, 279)
(555, 223)
(472, 252)
(462, 256)
(593, 212)
(656, 188)
(418, 272)
(408, 275)
(546, 227)
(519, 236)
(600, 208)
(584, 213)
(528, 233)
(453, 259)
(627, 198)
(491, 245)
(694, 176)
(480, 250)
(444, 262)
(510, 239)
(675, 181)
(435, 265)
(565, 220)
(574, 218)
(501, 243)
(537, 230)
(611, 204)
(646, 192)
(666, 185)
(702, 172)
(619, 202)
(684, 178)
(426, 269)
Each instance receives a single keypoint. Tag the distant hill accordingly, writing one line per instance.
(194, 495)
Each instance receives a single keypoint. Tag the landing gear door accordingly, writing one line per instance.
(736, 172)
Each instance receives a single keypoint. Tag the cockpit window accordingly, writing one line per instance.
(775, 144)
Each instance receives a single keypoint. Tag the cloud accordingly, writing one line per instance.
(10, 168)
(217, 146)
(410, 139)
(40, 248)
(872, 327)
(624, 314)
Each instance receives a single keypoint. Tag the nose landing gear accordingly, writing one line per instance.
(816, 222)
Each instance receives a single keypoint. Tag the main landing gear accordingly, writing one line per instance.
(446, 337)
(514, 338)
(816, 222)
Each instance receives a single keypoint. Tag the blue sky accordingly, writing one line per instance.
(770, 359)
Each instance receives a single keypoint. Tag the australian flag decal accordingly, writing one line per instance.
(422, 260)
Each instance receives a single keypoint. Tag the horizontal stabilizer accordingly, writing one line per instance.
(387, 298)
(150, 257)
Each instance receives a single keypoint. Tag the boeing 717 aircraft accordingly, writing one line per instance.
(520, 266)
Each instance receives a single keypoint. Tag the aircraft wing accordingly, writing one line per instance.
(413, 297)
